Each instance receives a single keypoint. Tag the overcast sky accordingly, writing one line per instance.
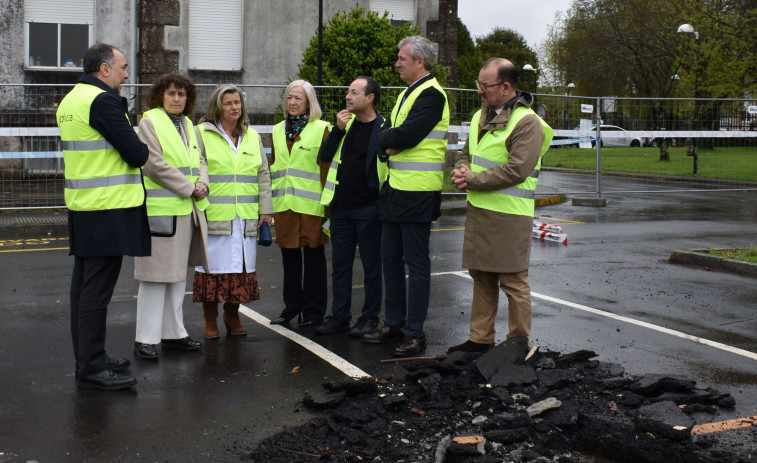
(529, 18)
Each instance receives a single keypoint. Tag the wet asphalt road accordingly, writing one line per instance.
(216, 404)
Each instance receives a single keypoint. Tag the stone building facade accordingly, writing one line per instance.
(158, 37)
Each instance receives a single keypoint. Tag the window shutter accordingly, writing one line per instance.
(60, 12)
(399, 10)
(215, 35)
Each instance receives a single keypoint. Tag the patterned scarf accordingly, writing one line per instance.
(177, 123)
(294, 125)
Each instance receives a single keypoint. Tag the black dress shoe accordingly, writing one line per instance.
(334, 325)
(117, 364)
(284, 318)
(186, 343)
(362, 327)
(310, 323)
(383, 335)
(411, 346)
(145, 351)
(470, 346)
(113, 365)
(105, 380)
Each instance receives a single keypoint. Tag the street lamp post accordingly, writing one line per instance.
(566, 113)
(529, 68)
(320, 43)
(667, 117)
(691, 143)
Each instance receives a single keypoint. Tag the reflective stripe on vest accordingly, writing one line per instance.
(491, 151)
(420, 168)
(103, 182)
(162, 201)
(96, 176)
(296, 175)
(331, 181)
(233, 177)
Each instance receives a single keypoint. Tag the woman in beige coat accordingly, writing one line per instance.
(176, 181)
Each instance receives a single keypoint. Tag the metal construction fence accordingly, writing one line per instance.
(683, 143)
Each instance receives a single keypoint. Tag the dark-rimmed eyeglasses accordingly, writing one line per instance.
(484, 87)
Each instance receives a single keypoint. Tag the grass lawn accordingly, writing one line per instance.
(746, 255)
(732, 163)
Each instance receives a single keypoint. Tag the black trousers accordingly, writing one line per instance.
(305, 292)
(351, 229)
(406, 244)
(92, 284)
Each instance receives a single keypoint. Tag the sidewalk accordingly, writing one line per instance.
(33, 224)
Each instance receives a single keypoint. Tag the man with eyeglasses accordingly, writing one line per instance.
(415, 145)
(498, 168)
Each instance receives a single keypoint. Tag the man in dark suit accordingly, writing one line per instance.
(105, 197)
(414, 143)
(352, 192)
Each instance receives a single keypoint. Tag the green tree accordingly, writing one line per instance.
(506, 43)
(468, 58)
(624, 48)
(632, 48)
(554, 75)
(722, 62)
(357, 42)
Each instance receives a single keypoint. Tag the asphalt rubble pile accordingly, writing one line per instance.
(510, 404)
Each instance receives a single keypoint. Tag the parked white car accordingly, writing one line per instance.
(612, 136)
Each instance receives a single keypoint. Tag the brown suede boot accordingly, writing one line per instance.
(231, 319)
(210, 313)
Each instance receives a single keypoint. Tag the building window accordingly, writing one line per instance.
(57, 33)
(57, 45)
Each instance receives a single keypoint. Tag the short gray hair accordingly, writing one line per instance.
(422, 48)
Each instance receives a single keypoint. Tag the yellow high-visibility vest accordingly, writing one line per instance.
(491, 151)
(296, 176)
(233, 177)
(332, 182)
(160, 200)
(420, 168)
(97, 177)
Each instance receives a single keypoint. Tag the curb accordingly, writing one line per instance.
(656, 177)
(551, 200)
(700, 258)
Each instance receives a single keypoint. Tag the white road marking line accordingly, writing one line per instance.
(338, 362)
(697, 339)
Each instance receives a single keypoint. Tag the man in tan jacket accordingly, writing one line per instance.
(498, 168)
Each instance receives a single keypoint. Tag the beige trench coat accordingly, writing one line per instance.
(171, 256)
(496, 242)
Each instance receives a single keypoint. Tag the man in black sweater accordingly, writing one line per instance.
(352, 192)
